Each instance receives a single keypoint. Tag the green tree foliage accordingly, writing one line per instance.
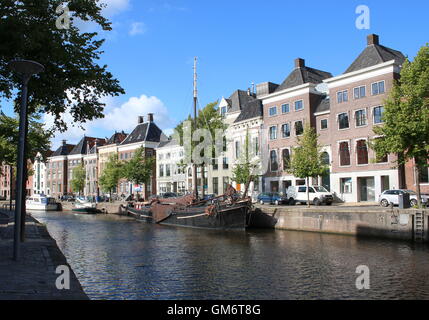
(209, 119)
(306, 159)
(111, 174)
(38, 139)
(78, 179)
(139, 169)
(72, 78)
(406, 116)
(247, 169)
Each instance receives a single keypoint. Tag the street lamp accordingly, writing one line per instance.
(25, 69)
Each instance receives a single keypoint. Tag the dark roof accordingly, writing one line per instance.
(324, 105)
(97, 143)
(238, 99)
(85, 144)
(375, 54)
(303, 75)
(64, 150)
(117, 138)
(250, 110)
(147, 131)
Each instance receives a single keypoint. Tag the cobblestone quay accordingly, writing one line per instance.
(33, 277)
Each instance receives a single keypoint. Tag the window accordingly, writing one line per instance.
(424, 174)
(273, 133)
(360, 116)
(286, 159)
(161, 170)
(273, 161)
(299, 105)
(256, 145)
(342, 96)
(286, 130)
(225, 163)
(167, 170)
(360, 92)
(381, 158)
(378, 88)
(299, 128)
(216, 185)
(285, 108)
(237, 149)
(323, 124)
(225, 181)
(215, 164)
(378, 115)
(273, 111)
(223, 111)
(362, 152)
(325, 158)
(346, 185)
(343, 120)
(344, 154)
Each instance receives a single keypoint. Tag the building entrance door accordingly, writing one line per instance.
(367, 189)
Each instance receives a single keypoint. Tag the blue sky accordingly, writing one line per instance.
(153, 42)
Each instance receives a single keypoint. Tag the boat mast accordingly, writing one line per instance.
(195, 126)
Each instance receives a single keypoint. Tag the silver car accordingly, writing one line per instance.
(392, 196)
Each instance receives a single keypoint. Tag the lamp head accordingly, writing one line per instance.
(26, 67)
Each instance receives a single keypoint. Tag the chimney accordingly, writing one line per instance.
(373, 39)
(248, 92)
(64, 142)
(150, 117)
(140, 119)
(299, 63)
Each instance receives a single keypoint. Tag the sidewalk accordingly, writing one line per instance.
(33, 277)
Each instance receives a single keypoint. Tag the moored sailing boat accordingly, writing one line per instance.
(225, 212)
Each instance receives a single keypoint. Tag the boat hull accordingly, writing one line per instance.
(228, 218)
(41, 207)
(86, 210)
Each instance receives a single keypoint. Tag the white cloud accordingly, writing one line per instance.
(137, 28)
(118, 117)
(115, 6)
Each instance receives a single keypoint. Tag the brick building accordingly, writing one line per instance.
(56, 170)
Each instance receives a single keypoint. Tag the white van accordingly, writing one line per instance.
(318, 195)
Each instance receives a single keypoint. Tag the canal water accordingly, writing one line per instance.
(119, 258)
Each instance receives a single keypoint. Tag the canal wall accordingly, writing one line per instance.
(105, 207)
(33, 276)
(380, 223)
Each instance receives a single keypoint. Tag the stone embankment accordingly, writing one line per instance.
(33, 276)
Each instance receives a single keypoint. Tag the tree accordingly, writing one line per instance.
(306, 159)
(247, 169)
(139, 169)
(406, 117)
(38, 139)
(111, 174)
(78, 181)
(72, 78)
(210, 120)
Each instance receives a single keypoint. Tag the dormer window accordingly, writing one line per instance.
(223, 111)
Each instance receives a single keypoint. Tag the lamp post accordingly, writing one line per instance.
(25, 69)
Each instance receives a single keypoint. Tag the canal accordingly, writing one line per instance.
(119, 258)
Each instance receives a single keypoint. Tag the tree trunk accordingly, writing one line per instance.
(308, 192)
(417, 174)
(246, 188)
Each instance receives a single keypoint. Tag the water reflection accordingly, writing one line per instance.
(119, 258)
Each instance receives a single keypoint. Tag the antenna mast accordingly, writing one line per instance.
(195, 126)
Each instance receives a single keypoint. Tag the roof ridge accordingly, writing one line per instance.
(378, 52)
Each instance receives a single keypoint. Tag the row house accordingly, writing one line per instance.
(56, 170)
(39, 174)
(147, 135)
(171, 175)
(76, 158)
(90, 162)
(7, 182)
(356, 107)
(287, 108)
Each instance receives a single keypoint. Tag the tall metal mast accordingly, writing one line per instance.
(195, 126)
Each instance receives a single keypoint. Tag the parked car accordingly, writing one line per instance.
(272, 198)
(169, 195)
(318, 195)
(209, 196)
(392, 196)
